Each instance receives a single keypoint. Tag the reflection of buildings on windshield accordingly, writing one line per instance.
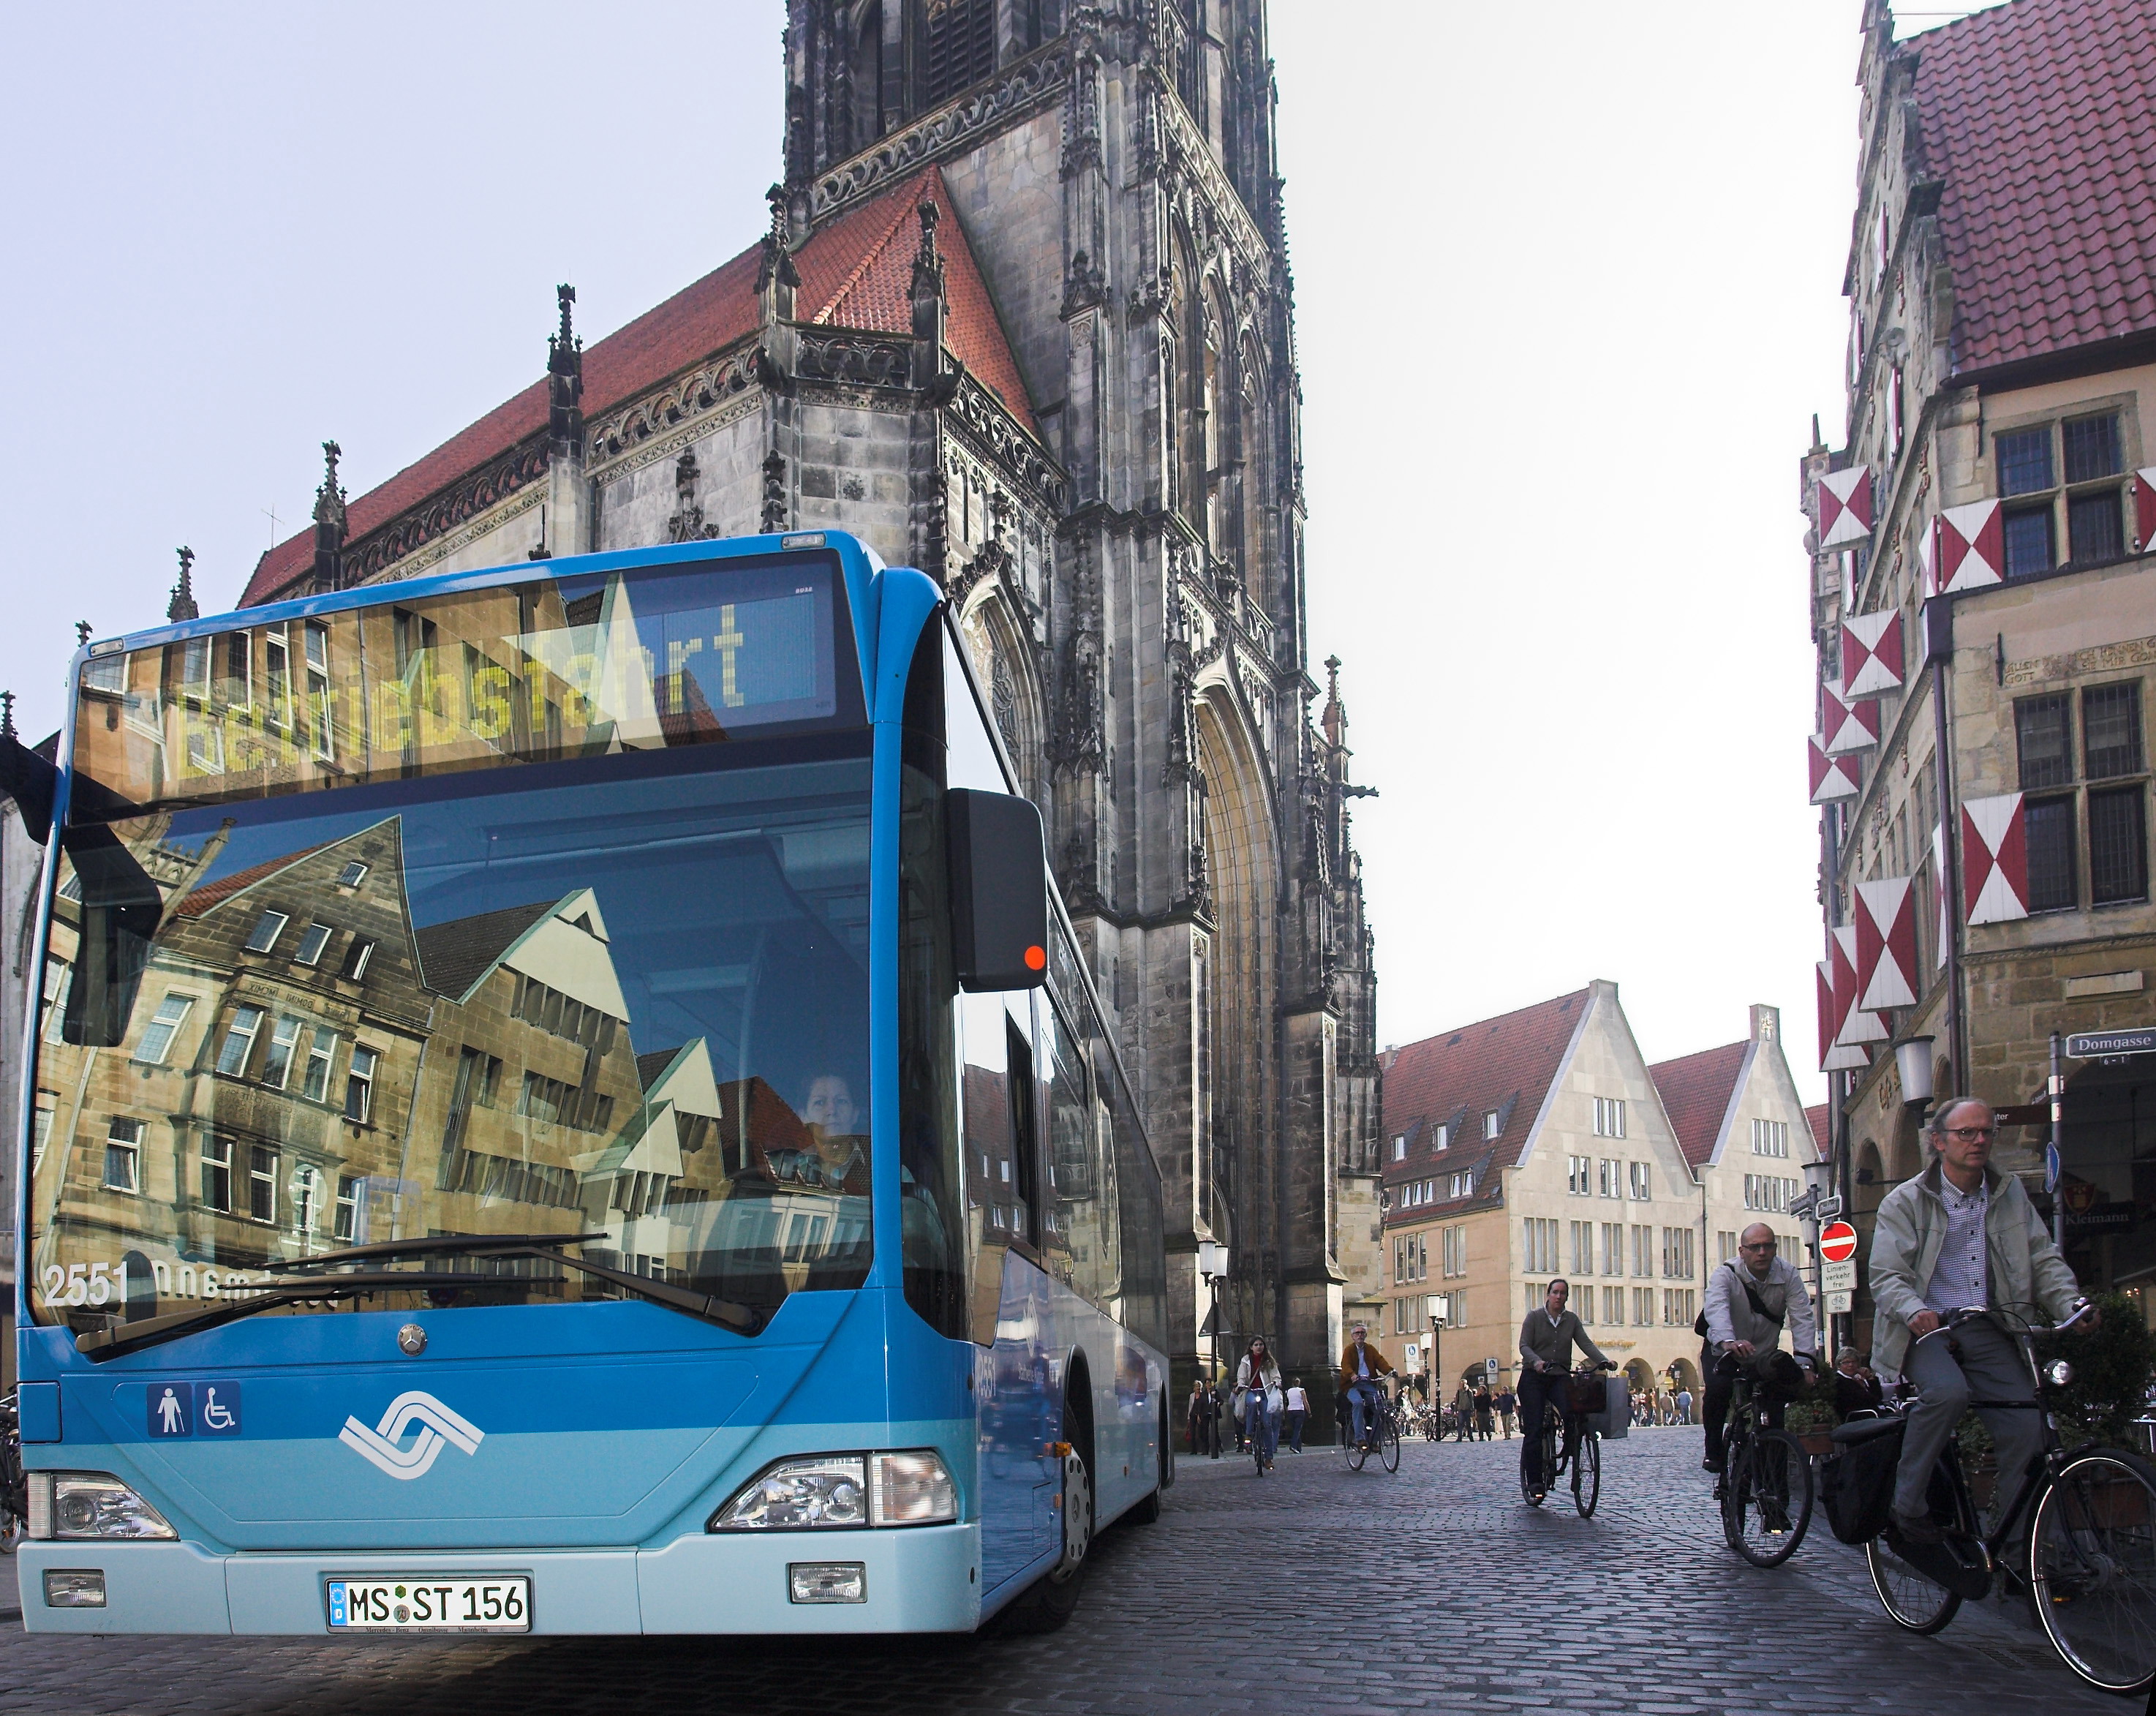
(302, 1069)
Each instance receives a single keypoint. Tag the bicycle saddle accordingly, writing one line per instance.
(1862, 1430)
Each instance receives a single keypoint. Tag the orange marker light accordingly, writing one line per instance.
(1036, 958)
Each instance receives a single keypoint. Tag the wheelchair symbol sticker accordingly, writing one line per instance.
(217, 1409)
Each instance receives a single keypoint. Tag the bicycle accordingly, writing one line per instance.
(1381, 1435)
(1766, 1485)
(15, 1484)
(1585, 1465)
(2088, 1565)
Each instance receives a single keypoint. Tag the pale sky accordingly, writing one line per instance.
(1568, 282)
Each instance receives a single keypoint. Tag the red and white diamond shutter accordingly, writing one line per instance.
(1971, 549)
(1871, 652)
(1832, 776)
(1834, 1057)
(1886, 944)
(2144, 508)
(1855, 1026)
(1847, 724)
(1994, 860)
(1845, 508)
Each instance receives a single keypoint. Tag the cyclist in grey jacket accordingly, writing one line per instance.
(1961, 1235)
(1547, 1340)
(1751, 1299)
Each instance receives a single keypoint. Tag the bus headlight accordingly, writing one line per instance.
(795, 1495)
(912, 1488)
(78, 1505)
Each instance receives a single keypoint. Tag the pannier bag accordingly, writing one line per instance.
(1613, 1417)
(1584, 1394)
(1857, 1480)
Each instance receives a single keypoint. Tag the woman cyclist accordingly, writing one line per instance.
(1547, 1340)
(1258, 1378)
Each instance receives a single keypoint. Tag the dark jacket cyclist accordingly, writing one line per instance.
(1547, 1340)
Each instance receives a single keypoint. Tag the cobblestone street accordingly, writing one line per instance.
(1320, 1588)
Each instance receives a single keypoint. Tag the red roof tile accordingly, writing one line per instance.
(212, 895)
(856, 272)
(2038, 116)
(1504, 1065)
(1817, 1115)
(1695, 1091)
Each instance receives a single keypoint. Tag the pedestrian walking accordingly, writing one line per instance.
(1258, 1381)
(1683, 1405)
(1508, 1406)
(1463, 1414)
(1485, 1413)
(1195, 1415)
(1298, 1409)
(1226, 1416)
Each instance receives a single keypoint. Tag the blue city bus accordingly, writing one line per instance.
(562, 1101)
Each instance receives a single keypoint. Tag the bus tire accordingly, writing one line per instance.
(1052, 1600)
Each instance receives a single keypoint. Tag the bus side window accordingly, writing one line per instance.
(1025, 1132)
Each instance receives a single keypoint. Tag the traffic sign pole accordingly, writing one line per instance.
(2056, 1157)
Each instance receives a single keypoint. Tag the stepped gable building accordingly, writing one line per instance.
(1023, 319)
(1540, 1144)
(1984, 607)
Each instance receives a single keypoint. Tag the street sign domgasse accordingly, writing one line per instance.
(2093, 1045)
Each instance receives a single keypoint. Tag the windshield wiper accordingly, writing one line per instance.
(439, 1245)
(302, 1288)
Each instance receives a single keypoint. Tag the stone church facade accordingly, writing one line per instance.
(1023, 319)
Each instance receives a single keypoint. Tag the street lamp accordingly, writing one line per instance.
(1213, 1265)
(1912, 1059)
(1440, 1307)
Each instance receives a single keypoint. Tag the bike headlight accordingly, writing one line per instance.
(912, 1488)
(2058, 1373)
(798, 1495)
(79, 1506)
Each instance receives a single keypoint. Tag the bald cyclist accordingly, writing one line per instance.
(1751, 1301)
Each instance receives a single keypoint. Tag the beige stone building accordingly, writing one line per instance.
(1539, 1143)
(1991, 499)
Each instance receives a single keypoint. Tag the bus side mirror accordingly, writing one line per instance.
(999, 891)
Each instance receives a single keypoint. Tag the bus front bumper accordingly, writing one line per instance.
(924, 1579)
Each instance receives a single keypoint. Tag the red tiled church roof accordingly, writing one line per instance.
(1696, 1090)
(856, 272)
(2038, 116)
(1504, 1065)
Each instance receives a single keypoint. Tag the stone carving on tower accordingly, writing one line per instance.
(1022, 317)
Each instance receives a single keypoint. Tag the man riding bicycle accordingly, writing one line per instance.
(1961, 1235)
(1750, 1300)
(1547, 1340)
(1361, 1365)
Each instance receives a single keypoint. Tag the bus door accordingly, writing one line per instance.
(1010, 1301)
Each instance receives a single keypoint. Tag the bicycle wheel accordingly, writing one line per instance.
(2093, 1568)
(1587, 1474)
(1768, 1503)
(1389, 1447)
(1913, 1601)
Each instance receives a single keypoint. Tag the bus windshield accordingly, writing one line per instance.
(610, 993)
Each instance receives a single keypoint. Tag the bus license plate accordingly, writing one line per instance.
(430, 1605)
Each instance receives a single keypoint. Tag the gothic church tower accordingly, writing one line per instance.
(1024, 320)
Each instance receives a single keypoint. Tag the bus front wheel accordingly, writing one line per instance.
(1053, 1598)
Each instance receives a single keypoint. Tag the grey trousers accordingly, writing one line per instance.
(1990, 1368)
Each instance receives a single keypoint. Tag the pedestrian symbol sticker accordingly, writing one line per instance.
(217, 1408)
(171, 1409)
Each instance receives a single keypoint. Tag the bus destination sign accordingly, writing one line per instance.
(2095, 1044)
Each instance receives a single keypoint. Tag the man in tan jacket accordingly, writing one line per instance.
(1361, 1365)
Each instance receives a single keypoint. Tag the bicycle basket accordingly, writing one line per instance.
(1585, 1394)
(1856, 1481)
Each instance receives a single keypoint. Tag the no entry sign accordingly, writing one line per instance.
(1837, 1242)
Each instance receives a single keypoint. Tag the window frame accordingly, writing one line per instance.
(359, 1087)
(2057, 497)
(128, 1149)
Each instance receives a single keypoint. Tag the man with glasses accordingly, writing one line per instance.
(1961, 1235)
(1750, 1300)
